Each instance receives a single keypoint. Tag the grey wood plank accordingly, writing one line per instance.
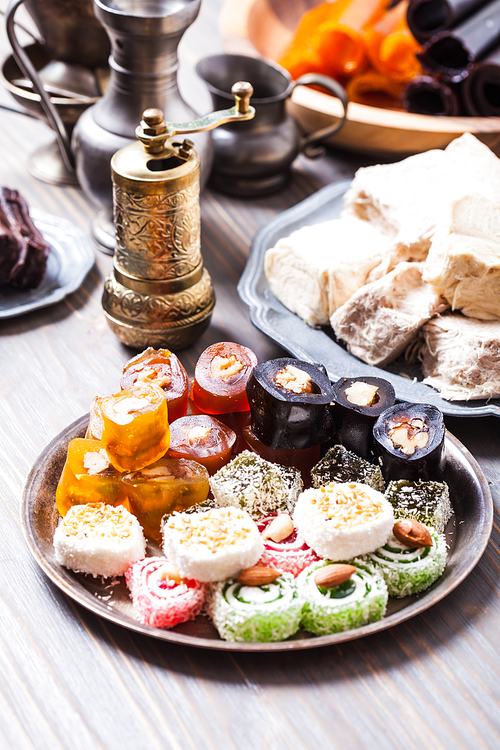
(70, 679)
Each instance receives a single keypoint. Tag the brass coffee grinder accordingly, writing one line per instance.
(159, 294)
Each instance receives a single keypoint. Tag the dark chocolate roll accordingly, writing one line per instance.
(426, 18)
(358, 402)
(289, 403)
(452, 53)
(410, 442)
(426, 95)
(481, 88)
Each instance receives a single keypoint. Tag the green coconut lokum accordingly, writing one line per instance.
(409, 570)
(341, 465)
(427, 502)
(257, 486)
(359, 600)
(270, 612)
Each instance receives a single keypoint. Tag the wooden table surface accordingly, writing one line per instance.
(72, 680)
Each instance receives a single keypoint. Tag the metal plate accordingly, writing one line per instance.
(467, 536)
(70, 259)
(319, 345)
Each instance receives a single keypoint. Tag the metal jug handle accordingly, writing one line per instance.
(308, 144)
(29, 71)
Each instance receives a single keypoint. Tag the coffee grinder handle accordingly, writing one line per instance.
(28, 69)
(154, 134)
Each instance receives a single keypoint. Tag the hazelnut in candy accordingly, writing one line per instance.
(135, 427)
(202, 438)
(87, 477)
(162, 368)
(169, 484)
(220, 378)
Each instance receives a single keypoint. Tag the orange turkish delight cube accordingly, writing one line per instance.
(135, 432)
(88, 477)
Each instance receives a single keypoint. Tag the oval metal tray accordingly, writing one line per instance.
(467, 536)
(318, 345)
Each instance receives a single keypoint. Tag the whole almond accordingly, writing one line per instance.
(280, 528)
(412, 533)
(333, 575)
(258, 576)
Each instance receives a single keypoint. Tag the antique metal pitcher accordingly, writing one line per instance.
(143, 64)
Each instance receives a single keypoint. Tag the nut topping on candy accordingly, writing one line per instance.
(333, 575)
(412, 533)
(280, 528)
(258, 576)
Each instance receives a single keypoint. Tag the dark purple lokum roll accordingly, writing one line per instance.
(481, 88)
(409, 439)
(426, 95)
(357, 404)
(289, 403)
(452, 53)
(23, 251)
(428, 17)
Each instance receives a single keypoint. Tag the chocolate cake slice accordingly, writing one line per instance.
(23, 251)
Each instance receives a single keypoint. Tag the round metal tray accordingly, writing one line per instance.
(467, 535)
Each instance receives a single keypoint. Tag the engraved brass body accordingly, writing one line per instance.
(159, 294)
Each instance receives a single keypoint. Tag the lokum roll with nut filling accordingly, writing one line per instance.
(135, 427)
(409, 439)
(213, 545)
(341, 596)
(161, 598)
(284, 549)
(343, 521)
(412, 559)
(202, 438)
(260, 605)
(357, 404)
(162, 368)
(289, 403)
(220, 378)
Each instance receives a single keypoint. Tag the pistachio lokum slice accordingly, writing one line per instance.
(355, 602)
(410, 569)
(257, 486)
(341, 465)
(427, 502)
